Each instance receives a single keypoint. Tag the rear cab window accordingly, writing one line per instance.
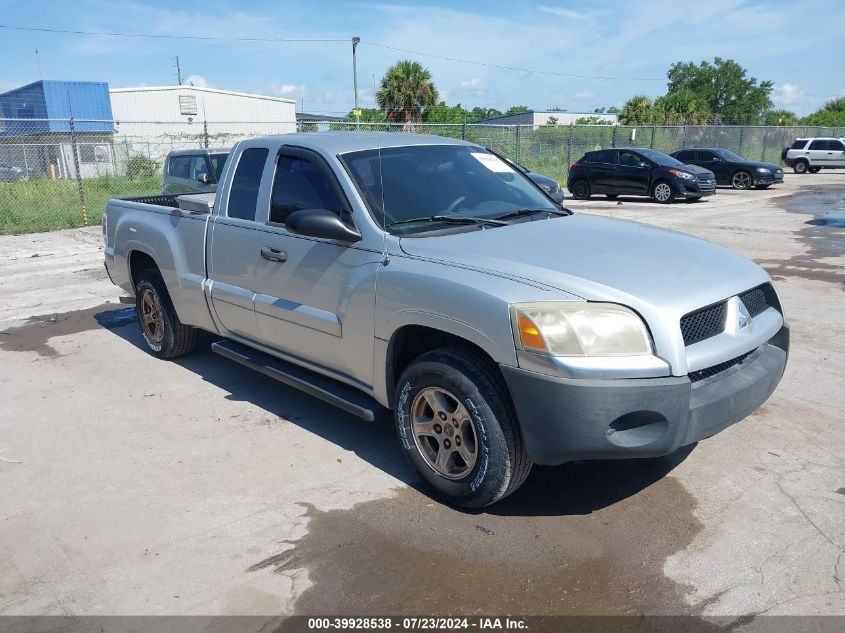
(179, 166)
(243, 195)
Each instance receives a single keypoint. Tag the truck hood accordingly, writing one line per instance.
(658, 272)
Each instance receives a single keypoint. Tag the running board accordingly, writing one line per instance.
(335, 393)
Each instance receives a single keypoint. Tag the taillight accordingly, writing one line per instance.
(574, 165)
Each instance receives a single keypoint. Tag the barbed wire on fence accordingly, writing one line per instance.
(59, 173)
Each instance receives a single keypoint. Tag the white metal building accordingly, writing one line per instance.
(154, 120)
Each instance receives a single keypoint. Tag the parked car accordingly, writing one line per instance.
(13, 173)
(428, 276)
(636, 171)
(193, 170)
(732, 169)
(549, 185)
(814, 154)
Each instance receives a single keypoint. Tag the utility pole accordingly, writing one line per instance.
(355, 41)
(178, 71)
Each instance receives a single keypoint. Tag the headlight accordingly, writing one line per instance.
(575, 328)
(682, 174)
(763, 170)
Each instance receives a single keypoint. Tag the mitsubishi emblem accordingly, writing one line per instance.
(743, 318)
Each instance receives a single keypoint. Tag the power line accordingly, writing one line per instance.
(525, 70)
(212, 38)
(167, 36)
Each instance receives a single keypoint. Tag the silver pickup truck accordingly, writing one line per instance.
(431, 277)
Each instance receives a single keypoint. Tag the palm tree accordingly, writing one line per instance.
(637, 111)
(406, 90)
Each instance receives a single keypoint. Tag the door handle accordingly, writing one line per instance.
(274, 254)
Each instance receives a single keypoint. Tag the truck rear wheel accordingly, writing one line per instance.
(458, 429)
(164, 334)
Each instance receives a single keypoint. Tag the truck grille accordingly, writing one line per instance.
(758, 299)
(701, 374)
(704, 323)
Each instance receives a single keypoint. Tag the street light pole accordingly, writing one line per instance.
(355, 41)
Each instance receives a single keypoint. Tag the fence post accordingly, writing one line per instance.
(741, 137)
(517, 142)
(765, 140)
(75, 150)
(205, 134)
(683, 137)
(653, 130)
(613, 136)
(569, 148)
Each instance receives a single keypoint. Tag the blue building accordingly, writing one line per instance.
(35, 127)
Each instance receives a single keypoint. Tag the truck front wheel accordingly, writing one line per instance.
(164, 334)
(458, 429)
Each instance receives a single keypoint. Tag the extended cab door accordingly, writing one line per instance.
(235, 243)
(315, 297)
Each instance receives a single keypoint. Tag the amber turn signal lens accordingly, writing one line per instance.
(530, 335)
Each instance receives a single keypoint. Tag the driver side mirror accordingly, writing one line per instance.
(643, 164)
(206, 179)
(321, 223)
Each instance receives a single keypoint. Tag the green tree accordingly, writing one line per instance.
(517, 109)
(780, 117)
(406, 91)
(442, 113)
(638, 110)
(680, 107)
(832, 114)
(730, 95)
(613, 110)
(552, 120)
(368, 115)
(592, 120)
(478, 113)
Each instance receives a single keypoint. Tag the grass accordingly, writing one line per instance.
(46, 205)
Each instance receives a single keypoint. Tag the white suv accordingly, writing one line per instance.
(812, 154)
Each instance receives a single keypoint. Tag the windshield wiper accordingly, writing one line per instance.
(450, 219)
(523, 212)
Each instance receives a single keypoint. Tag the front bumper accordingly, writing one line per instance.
(565, 419)
(694, 188)
(768, 179)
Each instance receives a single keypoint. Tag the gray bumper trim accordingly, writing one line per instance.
(564, 419)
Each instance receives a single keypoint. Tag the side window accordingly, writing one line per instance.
(798, 144)
(683, 156)
(607, 156)
(707, 156)
(243, 196)
(818, 144)
(837, 146)
(179, 166)
(300, 184)
(629, 159)
(198, 167)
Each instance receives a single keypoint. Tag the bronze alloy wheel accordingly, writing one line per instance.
(152, 318)
(444, 433)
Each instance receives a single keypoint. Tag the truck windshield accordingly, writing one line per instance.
(433, 182)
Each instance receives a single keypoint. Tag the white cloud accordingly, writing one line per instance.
(588, 17)
(291, 91)
(788, 95)
(584, 95)
(473, 86)
(196, 80)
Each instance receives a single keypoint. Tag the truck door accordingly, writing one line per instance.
(314, 298)
(235, 244)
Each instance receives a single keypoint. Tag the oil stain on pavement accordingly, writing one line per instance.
(579, 539)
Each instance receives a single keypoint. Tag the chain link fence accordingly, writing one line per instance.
(59, 173)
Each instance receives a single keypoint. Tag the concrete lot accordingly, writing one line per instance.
(136, 486)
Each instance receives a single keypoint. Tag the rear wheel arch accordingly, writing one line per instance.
(139, 262)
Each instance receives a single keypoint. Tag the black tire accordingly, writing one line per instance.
(580, 189)
(815, 170)
(800, 167)
(656, 193)
(612, 196)
(742, 180)
(762, 186)
(176, 339)
(501, 465)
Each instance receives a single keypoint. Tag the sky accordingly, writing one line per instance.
(559, 53)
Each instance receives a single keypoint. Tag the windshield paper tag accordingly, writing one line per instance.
(491, 162)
